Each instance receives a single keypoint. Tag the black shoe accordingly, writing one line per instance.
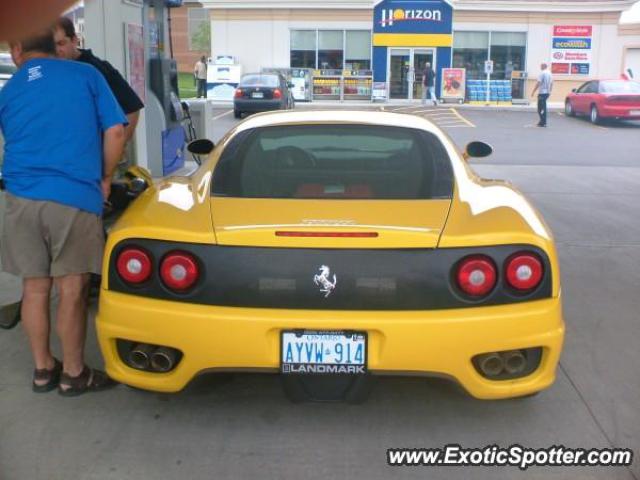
(89, 380)
(10, 315)
(541, 125)
(50, 377)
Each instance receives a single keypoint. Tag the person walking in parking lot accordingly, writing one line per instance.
(64, 135)
(543, 87)
(67, 43)
(200, 73)
(428, 84)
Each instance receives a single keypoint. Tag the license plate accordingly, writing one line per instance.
(323, 352)
(257, 95)
(634, 112)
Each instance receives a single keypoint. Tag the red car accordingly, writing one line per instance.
(600, 99)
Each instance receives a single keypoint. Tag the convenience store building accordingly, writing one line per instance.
(355, 47)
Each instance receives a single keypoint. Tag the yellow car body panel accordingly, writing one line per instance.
(425, 342)
(412, 224)
(439, 342)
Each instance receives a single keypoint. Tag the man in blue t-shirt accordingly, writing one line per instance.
(64, 136)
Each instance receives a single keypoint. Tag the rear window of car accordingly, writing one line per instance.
(334, 161)
(620, 87)
(260, 81)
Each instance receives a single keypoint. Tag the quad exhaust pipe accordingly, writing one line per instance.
(152, 358)
(491, 364)
(163, 359)
(505, 364)
(140, 356)
(514, 362)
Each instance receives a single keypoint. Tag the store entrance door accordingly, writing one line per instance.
(406, 66)
(420, 58)
(399, 72)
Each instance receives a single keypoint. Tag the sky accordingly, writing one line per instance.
(633, 15)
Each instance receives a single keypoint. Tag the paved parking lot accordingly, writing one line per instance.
(443, 116)
(583, 178)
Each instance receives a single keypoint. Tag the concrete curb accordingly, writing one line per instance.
(556, 106)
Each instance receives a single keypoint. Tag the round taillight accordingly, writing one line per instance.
(277, 93)
(524, 271)
(238, 93)
(476, 275)
(179, 271)
(134, 265)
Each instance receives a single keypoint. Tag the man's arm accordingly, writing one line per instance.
(133, 123)
(113, 142)
(535, 89)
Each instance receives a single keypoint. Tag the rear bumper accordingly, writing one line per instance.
(250, 105)
(620, 112)
(439, 342)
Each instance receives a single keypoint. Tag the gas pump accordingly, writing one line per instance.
(223, 76)
(165, 133)
(143, 54)
(163, 81)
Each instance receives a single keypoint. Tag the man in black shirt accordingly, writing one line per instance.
(67, 47)
(428, 84)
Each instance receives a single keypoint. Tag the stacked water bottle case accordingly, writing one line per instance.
(499, 90)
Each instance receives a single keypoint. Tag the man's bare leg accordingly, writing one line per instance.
(35, 319)
(71, 320)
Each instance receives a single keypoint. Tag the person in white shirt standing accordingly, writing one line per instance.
(200, 73)
(543, 87)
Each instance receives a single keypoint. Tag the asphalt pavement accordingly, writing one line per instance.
(583, 178)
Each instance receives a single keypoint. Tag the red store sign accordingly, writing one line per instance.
(572, 30)
(560, 68)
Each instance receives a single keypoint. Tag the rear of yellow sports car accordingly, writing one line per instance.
(326, 247)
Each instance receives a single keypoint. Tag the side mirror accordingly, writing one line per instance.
(574, 90)
(201, 146)
(477, 150)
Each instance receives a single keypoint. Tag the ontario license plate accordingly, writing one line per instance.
(323, 352)
(257, 95)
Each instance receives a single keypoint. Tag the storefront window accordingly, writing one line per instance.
(358, 50)
(506, 49)
(303, 48)
(330, 49)
(508, 53)
(470, 50)
(334, 49)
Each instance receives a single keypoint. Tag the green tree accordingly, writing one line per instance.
(201, 37)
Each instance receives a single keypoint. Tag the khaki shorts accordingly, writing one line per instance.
(48, 239)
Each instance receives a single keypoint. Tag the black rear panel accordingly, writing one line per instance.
(411, 279)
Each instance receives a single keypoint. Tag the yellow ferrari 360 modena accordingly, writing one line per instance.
(332, 247)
